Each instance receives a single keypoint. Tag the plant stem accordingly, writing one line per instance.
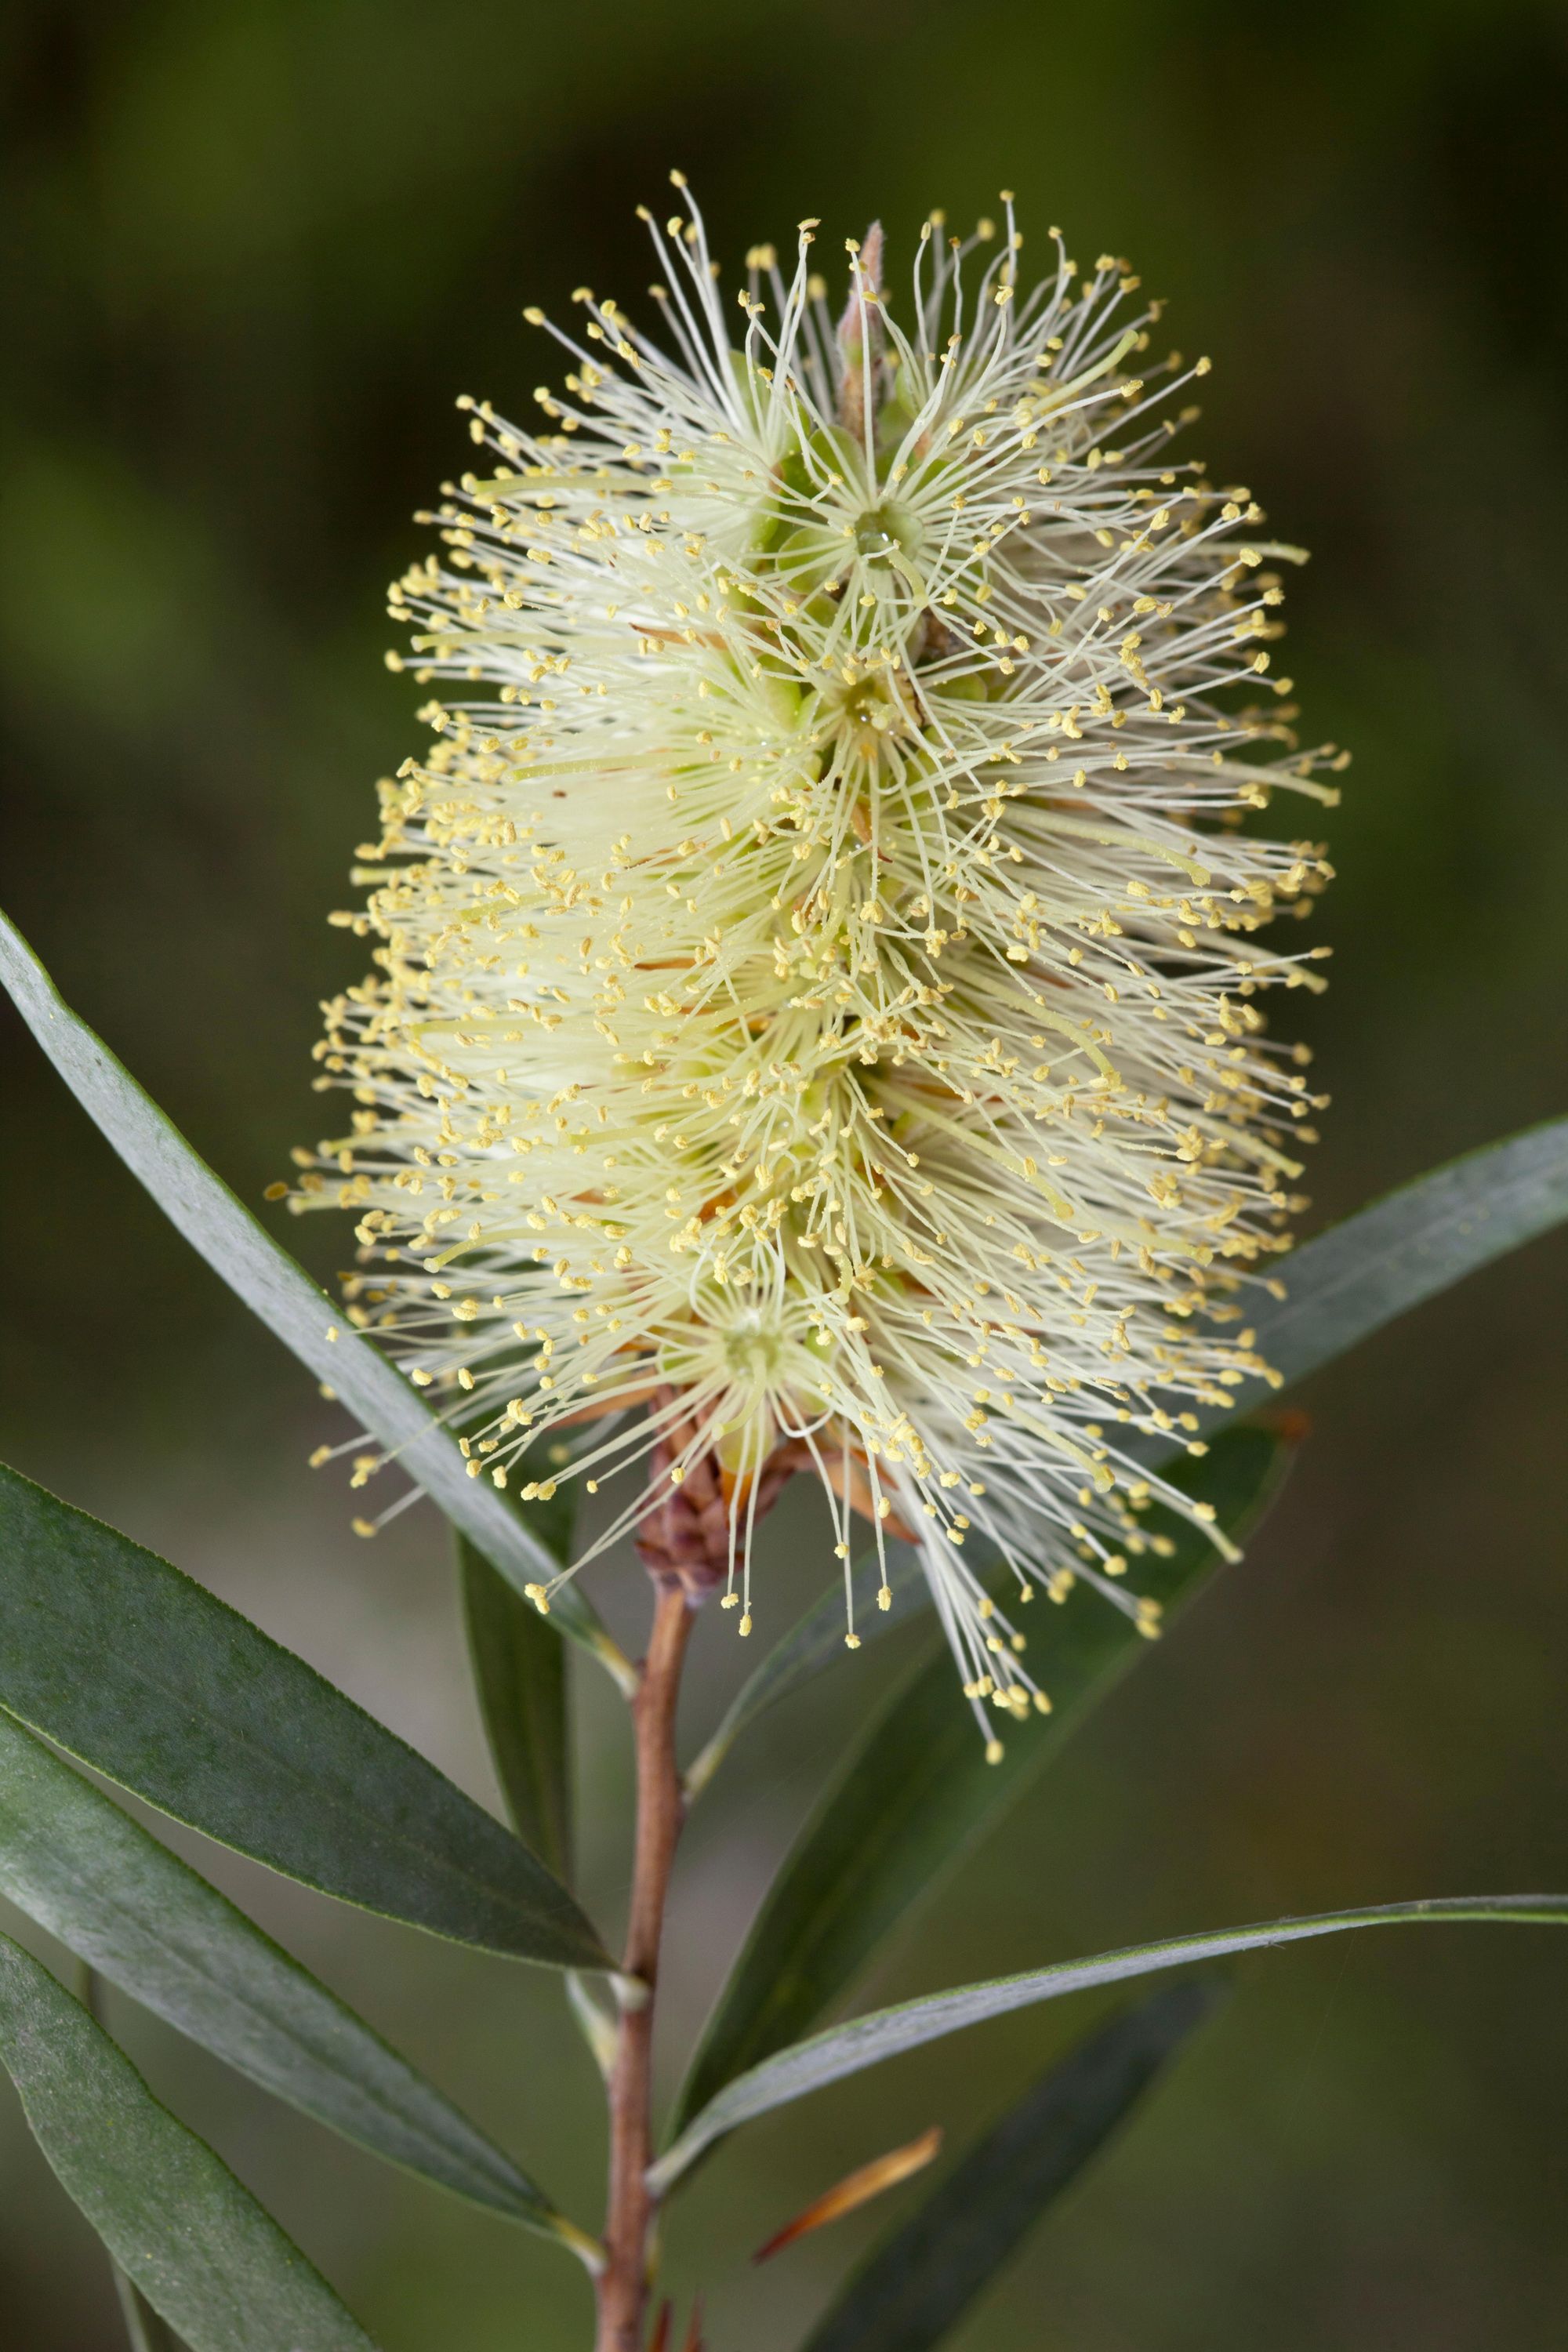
(622, 2286)
(143, 2324)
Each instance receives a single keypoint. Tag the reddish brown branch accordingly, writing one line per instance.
(623, 2287)
(685, 1543)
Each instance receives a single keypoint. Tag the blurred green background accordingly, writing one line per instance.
(251, 252)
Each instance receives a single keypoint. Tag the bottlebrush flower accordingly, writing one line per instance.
(816, 997)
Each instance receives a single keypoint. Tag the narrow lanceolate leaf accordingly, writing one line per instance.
(279, 1291)
(123, 1903)
(856, 2188)
(816, 1640)
(199, 2247)
(919, 2282)
(916, 1791)
(1386, 1259)
(520, 1674)
(887, 2032)
(141, 1673)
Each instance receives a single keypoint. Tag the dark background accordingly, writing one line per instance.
(252, 252)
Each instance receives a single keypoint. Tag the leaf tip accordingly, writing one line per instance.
(856, 2188)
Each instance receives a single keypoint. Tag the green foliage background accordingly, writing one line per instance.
(250, 255)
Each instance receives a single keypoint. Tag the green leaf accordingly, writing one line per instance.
(918, 2282)
(887, 2032)
(520, 1673)
(79, 1866)
(1405, 1249)
(916, 1793)
(138, 1670)
(816, 1640)
(274, 1287)
(199, 2247)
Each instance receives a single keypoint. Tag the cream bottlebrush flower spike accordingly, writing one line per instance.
(815, 1021)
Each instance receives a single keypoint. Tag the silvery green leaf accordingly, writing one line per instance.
(888, 2033)
(137, 1915)
(141, 1673)
(520, 1674)
(206, 2255)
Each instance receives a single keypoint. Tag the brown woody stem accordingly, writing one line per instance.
(624, 2283)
